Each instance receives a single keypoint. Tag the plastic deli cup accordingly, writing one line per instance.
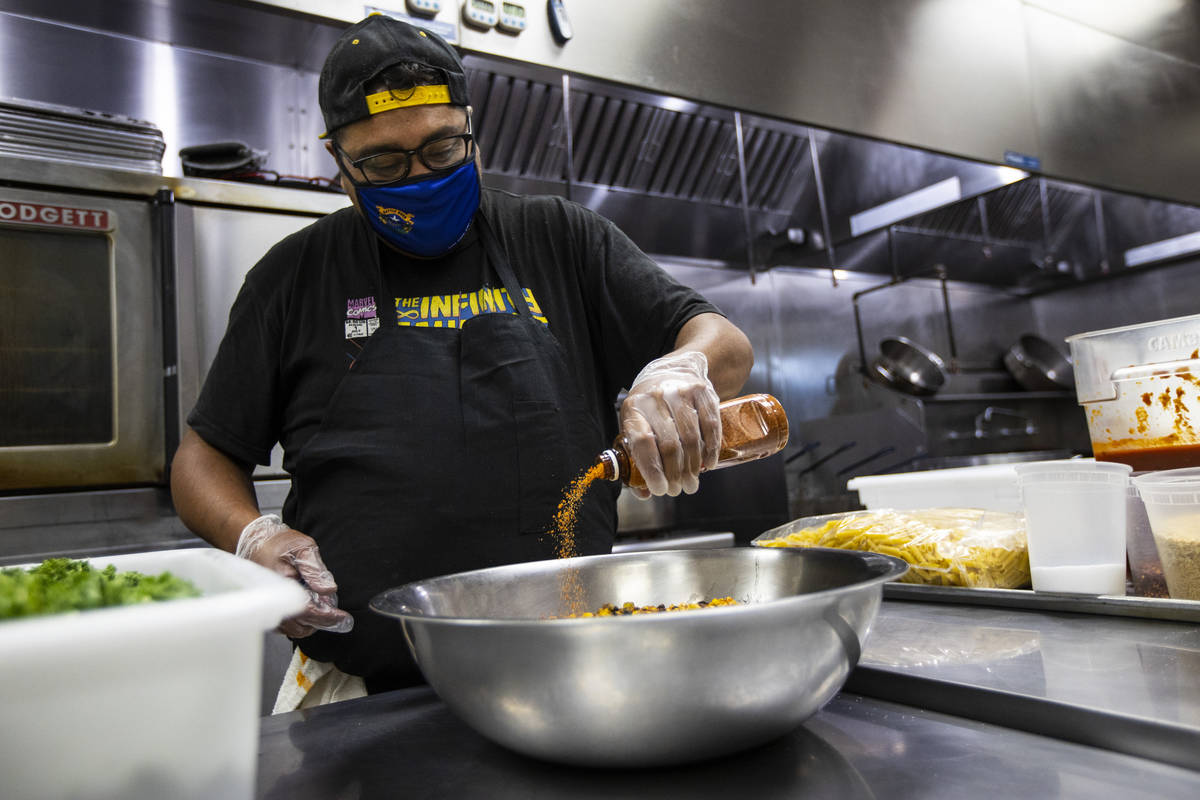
(1145, 567)
(1075, 516)
(1172, 499)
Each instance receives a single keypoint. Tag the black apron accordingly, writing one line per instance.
(443, 450)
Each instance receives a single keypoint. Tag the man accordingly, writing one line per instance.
(438, 362)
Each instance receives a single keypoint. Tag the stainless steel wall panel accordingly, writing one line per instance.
(1128, 299)
(1116, 112)
(206, 112)
(749, 305)
(900, 70)
(753, 497)
(193, 96)
(103, 73)
(227, 243)
(1169, 26)
(311, 157)
(806, 353)
(246, 30)
(217, 246)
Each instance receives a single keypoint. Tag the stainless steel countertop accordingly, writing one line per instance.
(408, 744)
(1130, 685)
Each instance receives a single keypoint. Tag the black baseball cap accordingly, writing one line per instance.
(369, 47)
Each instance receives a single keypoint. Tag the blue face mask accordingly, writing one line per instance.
(426, 217)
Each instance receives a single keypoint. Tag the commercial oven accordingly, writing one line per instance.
(81, 341)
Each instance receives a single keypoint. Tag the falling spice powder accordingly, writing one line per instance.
(564, 533)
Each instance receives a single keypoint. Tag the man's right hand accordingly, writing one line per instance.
(292, 554)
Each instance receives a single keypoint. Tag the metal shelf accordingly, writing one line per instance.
(1109, 605)
(974, 396)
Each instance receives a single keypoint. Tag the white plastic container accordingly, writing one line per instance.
(1075, 516)
(159, 700)
(989, 486)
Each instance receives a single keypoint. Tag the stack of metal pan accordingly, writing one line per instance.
(30, 129)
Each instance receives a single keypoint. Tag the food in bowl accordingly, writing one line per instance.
(967, 547)
(59, 585)
(628, 609)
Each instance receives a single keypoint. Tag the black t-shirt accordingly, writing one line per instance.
(305, 310)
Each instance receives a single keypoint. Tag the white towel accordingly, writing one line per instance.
(308, 683)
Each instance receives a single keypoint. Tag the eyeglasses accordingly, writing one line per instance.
(438, 154)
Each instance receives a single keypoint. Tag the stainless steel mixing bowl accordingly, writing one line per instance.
(649, 689)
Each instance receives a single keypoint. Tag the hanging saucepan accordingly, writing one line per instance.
(908, 367)
(1038, 365)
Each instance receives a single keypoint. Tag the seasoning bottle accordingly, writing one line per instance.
(752, 426)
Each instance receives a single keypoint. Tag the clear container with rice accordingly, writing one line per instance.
(1172, 500)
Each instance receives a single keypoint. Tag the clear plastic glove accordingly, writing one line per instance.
(672, 423)
(292, 554)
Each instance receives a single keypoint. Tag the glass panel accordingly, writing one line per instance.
(56, 359)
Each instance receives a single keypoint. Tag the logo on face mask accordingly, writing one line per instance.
(401, 220)
(440, 209)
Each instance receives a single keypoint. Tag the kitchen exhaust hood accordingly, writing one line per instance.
(668, 171)
(698, 181)
(659, 118)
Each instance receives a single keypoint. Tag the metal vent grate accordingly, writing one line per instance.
(1035, 211)
(622, 140)
(1020, 213)
(519, 125)
(958, 219)
(776, 163)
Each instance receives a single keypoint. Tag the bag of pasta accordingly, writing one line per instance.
(943, 546)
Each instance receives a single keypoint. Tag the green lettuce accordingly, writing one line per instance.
(59, 585)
